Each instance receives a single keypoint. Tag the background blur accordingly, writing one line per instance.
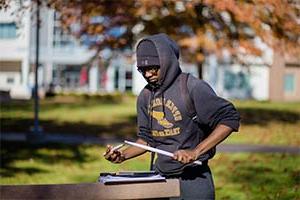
(68, 83)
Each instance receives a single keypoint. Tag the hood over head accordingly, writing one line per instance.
(168, 54)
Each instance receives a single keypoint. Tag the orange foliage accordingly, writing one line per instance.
(199, 26)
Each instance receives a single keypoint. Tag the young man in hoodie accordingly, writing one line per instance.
(164, 121)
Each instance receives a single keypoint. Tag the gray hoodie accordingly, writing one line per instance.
(163, 120)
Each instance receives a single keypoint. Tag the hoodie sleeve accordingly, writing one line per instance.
(212, 109)
(143, 119)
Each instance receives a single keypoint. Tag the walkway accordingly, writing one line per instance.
(79, 139)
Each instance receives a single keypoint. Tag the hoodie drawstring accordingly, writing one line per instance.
(151, 119)
(163, 104)
(151, 109)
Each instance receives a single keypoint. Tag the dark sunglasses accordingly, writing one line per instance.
(151, 69)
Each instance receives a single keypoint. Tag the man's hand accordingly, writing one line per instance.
(218, 135)
(114, 156)
(185, 156)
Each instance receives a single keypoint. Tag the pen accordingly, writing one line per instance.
(114, 149)
(117, 147)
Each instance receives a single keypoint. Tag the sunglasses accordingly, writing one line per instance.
(151, 69)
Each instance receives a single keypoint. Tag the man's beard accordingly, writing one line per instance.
(154, 85)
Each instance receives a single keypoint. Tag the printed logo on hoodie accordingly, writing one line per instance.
(159, 116)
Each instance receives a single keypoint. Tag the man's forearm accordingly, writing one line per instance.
(218, 135)
(131, 151)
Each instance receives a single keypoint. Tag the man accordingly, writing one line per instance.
(164, 121)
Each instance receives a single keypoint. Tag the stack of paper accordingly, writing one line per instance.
(130, 177)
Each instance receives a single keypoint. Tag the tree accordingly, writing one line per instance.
(201, 27)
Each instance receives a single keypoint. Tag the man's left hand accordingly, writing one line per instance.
(185, 156)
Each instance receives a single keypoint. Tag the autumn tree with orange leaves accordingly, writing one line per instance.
(200, 27)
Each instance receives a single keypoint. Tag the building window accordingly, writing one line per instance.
(60, 38)
(128, 80)
(289, 83)
(8, 30)
(10, 80)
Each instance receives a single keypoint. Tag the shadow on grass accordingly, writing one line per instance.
(127, 128)
(45, 153)
(9, 171)
(119, 129)
(70, 101)
(11, 152)
(258, 116)
(249, 116)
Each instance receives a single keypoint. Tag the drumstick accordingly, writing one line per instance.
(159, 151)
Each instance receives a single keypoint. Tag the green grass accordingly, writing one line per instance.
(59, 164)
(268, 123)
(75, 115)
(262, 122)
(256, 176)
(237, 175)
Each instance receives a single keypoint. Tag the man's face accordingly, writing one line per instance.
(150, 73)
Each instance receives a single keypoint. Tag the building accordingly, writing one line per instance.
(64, 64)
(14, 57)
(62, 60)
(285, 78)
(273, 76)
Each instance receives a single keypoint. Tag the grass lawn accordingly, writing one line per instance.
(268, 123)
(237, 176)
(74, 115)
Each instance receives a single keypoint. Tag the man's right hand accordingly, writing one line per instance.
(114, 156)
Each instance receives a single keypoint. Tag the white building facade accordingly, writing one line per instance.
(61, 57)
(14, 56)
(237, 81)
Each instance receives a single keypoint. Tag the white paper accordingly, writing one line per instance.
(126, 179)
